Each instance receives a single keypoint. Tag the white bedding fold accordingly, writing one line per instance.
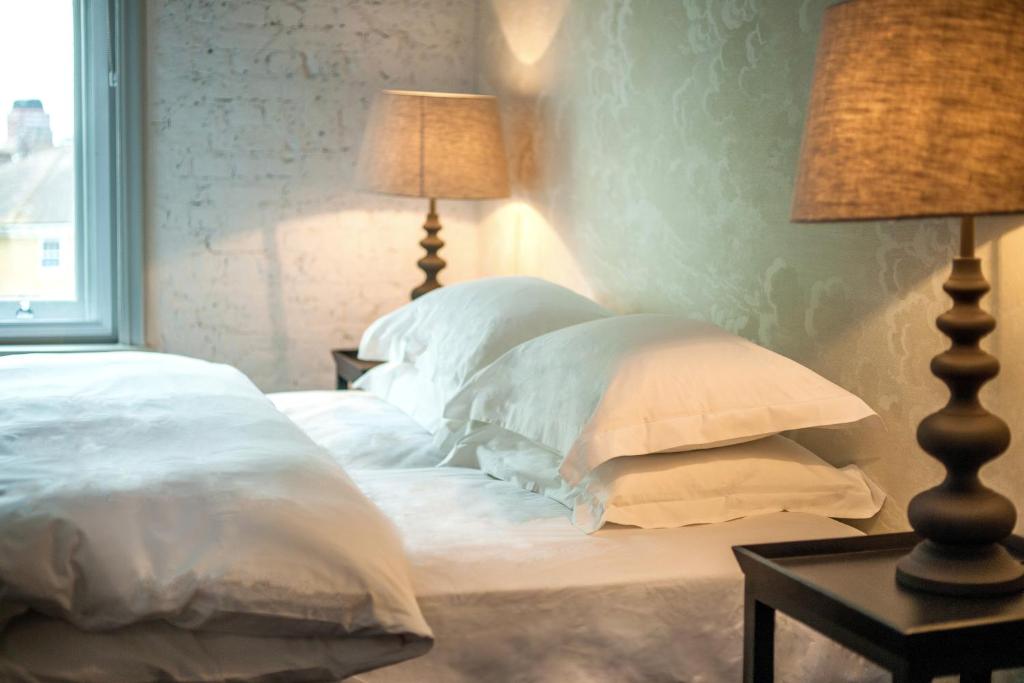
(137, 487)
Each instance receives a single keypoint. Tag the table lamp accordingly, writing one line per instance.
(437, 146)
(917, 109)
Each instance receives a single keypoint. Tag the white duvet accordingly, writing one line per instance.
(141, 488)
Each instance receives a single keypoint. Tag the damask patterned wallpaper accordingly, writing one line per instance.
(653, 146)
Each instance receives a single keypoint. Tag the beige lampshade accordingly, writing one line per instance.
(441, 145)
(917, 109)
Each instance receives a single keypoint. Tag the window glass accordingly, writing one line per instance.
(39, 259)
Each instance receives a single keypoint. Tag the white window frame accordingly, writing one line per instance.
(108, 186)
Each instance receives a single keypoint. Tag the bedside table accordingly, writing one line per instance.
(348, 368)
(846, 589)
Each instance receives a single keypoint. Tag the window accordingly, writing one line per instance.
(70, 149)
(51, 254)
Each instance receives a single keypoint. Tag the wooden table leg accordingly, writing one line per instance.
(758, 640)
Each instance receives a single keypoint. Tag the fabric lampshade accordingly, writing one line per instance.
(917, 109)
(438, 145)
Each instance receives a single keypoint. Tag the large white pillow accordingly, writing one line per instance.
(668, 490)
(405, 387)
(639, 384)
(453, 332)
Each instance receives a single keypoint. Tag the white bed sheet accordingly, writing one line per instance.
(514, 592)
(359, 429)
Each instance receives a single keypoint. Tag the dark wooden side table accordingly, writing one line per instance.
(348, 368)
(846, 589)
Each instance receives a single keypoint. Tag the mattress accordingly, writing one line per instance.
(514, 592)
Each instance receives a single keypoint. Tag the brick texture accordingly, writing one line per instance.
(260, 252)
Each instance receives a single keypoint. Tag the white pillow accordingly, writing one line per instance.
(639, 384)
(452, 332)
(667, 490)
(404, 387)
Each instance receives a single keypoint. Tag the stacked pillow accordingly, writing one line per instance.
(665, 490)
(648, 420)
(432, 346)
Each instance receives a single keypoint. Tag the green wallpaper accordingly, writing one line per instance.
(653, 145)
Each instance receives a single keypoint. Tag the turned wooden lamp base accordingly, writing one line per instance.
(962, 520)
(987, 570)
(431, 264)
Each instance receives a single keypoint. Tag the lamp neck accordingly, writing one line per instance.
(967, 237)
(433, 207)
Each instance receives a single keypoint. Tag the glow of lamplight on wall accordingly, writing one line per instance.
(1001, 248)
(518, 240)
(529, 26)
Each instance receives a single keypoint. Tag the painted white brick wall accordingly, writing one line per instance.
(259, 251)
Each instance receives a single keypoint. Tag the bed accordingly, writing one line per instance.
(501, 573)
(368, 544)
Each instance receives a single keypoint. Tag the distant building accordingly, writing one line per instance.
(38, 257)
(37, 262)
(28, 126)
